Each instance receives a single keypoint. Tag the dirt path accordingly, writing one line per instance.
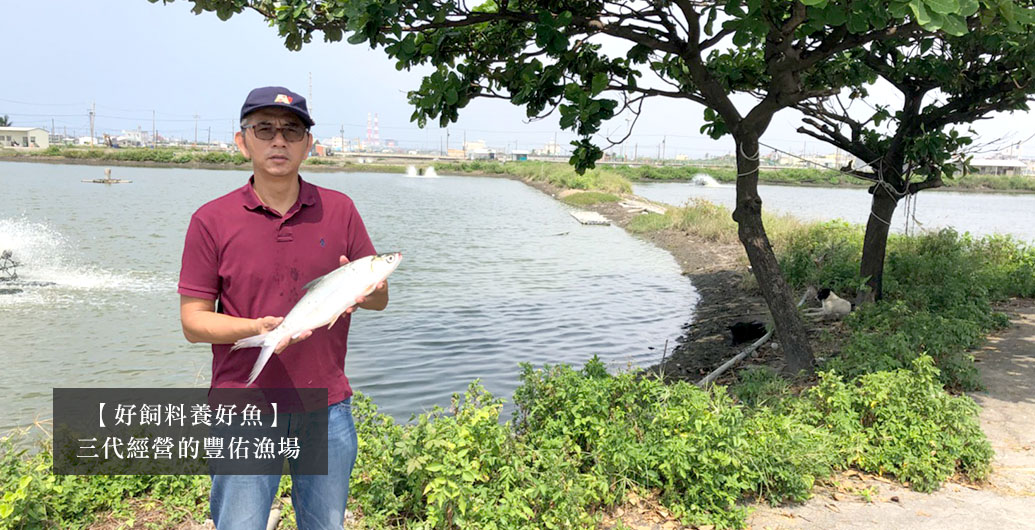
(1005, 502)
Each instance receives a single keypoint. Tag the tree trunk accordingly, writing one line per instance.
(875, 244)
(789, 328)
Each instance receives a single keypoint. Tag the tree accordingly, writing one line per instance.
(5, 121)
(547, 56)
(942, 82)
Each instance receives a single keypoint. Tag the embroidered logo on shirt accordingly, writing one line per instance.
(322, 244)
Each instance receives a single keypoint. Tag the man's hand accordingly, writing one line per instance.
(268, 324)
(380, 292)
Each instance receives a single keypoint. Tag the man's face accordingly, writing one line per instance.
(277, 157)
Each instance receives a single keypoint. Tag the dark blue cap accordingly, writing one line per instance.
(276, 96)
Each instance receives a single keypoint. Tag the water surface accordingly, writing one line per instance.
(495, 273)
(978, 213)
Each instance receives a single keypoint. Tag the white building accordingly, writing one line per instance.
(32, 137)
(137, 138)
(996, 166)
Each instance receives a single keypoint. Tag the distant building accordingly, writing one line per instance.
(481, 154)
(31, 137)
(135, 138)
(519, 155)
(995, 166)
(550, 149)
(479, 145)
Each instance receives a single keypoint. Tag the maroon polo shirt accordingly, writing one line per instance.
(254, 262)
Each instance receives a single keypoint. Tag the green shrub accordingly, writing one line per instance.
(901, 423)
(760, 386)
(32, 497)
(698, 448)
(938, 294)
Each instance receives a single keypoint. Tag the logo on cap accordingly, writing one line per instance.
(283, 98)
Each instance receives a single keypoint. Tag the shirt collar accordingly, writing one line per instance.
(307, 194)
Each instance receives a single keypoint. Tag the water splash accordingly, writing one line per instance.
(48, 262)
(702, 179)
(425, 173)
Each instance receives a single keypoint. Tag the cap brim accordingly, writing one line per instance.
(303, 116)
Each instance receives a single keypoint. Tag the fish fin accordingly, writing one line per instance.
(313, 283)
(335, 319)
(251, 342)
(260, 363)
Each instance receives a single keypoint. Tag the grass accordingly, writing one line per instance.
(812, 176)
(560, 175)
(587, 198)
(713, 222)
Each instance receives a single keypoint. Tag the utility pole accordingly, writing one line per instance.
(447, 141)
(93, 112)
(196, 128)
(53, 132)
(635, 148)
(209, 135)
(343, 139)
(309, 103)
(154, 131)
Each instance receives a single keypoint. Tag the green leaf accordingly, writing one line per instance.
(834, 15)
(936, 22)
(943, 7)
(813, 2)
(599, 83)
(954, 25)
(968, 7)
(920, 12)
(857, 23)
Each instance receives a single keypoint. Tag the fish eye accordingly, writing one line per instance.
(390, 258)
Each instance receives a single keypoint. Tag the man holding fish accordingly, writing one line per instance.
(248, 257)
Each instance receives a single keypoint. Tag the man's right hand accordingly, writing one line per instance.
(201, 323)
(268, 324)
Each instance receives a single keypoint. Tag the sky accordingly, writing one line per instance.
(132, 58)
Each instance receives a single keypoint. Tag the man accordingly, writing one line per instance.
(251, 251)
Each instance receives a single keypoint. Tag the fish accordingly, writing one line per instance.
(325, 300)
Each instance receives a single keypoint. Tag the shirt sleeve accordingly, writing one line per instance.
(359, 245)
(199, 268)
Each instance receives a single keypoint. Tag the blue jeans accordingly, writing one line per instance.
(242, 502)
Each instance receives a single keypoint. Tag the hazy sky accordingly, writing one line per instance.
(132, 57)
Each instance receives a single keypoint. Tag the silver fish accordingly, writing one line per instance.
(326, 299)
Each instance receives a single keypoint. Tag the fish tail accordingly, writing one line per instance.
(250, 342)
(260, 363)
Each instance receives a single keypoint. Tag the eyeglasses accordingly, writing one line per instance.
(268, 131)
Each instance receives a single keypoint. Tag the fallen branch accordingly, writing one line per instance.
(740, 356)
